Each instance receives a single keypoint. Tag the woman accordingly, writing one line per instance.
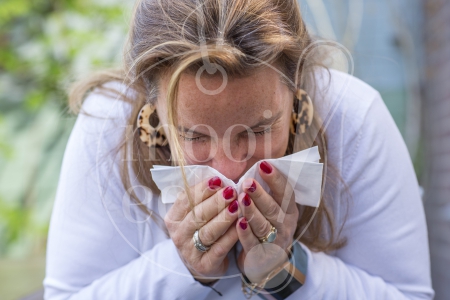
(203, 81)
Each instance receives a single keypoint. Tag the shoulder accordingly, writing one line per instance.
(354, 118)
(345, 106)
(341, 96)
(95, 153)
(108, 101)
(103, 118)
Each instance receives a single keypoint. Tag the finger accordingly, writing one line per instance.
(259, 224)
(246, 236)
(263, 201)
(282, 191)
(199, 192)
(219, 250)
(209, 208)
(214, 229)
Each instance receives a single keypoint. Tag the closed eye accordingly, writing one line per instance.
(243, 134)
(191, 139)
(267, 130)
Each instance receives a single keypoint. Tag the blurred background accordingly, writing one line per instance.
(400, 47)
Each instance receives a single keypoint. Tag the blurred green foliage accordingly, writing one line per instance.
(44, 46)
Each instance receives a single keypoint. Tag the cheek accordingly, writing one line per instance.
(198, 153)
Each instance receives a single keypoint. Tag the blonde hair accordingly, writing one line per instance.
(242, 36)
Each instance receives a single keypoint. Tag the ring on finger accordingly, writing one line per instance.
(198, 243)
(270, 237)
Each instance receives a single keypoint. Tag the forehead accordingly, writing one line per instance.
(242, 101)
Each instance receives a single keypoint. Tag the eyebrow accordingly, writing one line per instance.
(263, 122)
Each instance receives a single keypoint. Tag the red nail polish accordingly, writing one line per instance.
(252, 188)
(233, 207)
(265, 167)
(214, 183)
(228, 193)
(246, 200)
(243, 223)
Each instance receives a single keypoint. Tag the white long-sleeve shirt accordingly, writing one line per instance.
(101, 246)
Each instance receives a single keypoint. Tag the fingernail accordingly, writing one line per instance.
(251, 187)
(243, 223)
(228, 193)
(265, 167)
(246, 200)
(214, 183)
(233, 207)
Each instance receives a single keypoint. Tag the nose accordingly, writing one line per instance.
(230, 161)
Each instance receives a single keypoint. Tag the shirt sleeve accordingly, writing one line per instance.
(94, 249)
(387, 254)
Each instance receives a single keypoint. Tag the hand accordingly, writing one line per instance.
(260, 211)
(214, 210)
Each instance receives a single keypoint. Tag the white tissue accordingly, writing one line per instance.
(302, 169)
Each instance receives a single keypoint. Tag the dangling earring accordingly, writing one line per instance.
(148, 125)
(302, 112)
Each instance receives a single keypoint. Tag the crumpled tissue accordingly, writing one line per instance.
(302, 170)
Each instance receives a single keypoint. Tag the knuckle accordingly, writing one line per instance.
(168, 223)
(248, 211)
(263, 228)
(198, 214)
(181, 198)
(219, 250)
(197, 195)
(189, 200)
(217, 201)
(258, 192)
(167, 220)
(177, 240)
(271, 212)
(283, 192)
(279, 180)
(206, 235)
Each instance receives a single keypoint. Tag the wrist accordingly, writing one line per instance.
(258, 271)
(281, 283)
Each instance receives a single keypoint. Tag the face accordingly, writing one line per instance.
(230, 131)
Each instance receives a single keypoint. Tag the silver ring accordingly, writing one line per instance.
(198, 243)
(270, 237)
